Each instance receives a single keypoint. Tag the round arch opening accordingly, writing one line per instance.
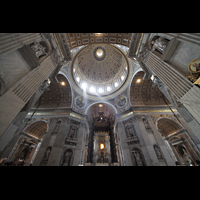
(168, 126)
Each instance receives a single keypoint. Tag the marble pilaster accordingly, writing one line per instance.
(161, 143)
(44, 144)
(80, 146)
(12, 41)
(124, 148)
(57, 148)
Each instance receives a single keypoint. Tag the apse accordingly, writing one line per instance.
(107, 109)
(101, 146)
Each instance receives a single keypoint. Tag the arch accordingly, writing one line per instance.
(101, 102)
(37, 129)
(32, 139)
(57, 95)
(144, 93)
(167, 126)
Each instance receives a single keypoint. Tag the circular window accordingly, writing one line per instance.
(99, 53)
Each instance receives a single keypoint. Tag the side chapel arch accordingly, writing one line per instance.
(179, 141)
(37, 129)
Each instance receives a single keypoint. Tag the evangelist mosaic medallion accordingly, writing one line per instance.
(79, 102)
(121, 102)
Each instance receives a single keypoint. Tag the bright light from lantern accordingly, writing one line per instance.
(122, 77)
(138, 81)
(99, 53)
(78, 79)
(116, 84)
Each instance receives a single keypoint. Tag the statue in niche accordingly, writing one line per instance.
(38, 49)
(160, 44)
(72, 133)
(131, 132)
(186, 158)
(57, 126)
(138, 158)
(158, 152)
(24, 154)
(146, 124)
(67, 157)
(44, 86)
(47, 154)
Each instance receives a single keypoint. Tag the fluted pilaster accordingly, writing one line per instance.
(17, 96)
(12, 41)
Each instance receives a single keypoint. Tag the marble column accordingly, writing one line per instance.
(189, 131)
(146, 145)
(146, 137)
(10, 141)
(12, 41)
(18, 121)
(79, 149)
(19, 94)
(185, 92)
(161, 143)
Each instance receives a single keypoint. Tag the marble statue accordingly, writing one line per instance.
(131, 132)
(138, 158)
(72, 132)
(57, 126)
(67, 157)
(47, 154)
(186, 158)
(160, 44)
(38, 49)
(146, 124)
(158, 152)
(44, 86)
